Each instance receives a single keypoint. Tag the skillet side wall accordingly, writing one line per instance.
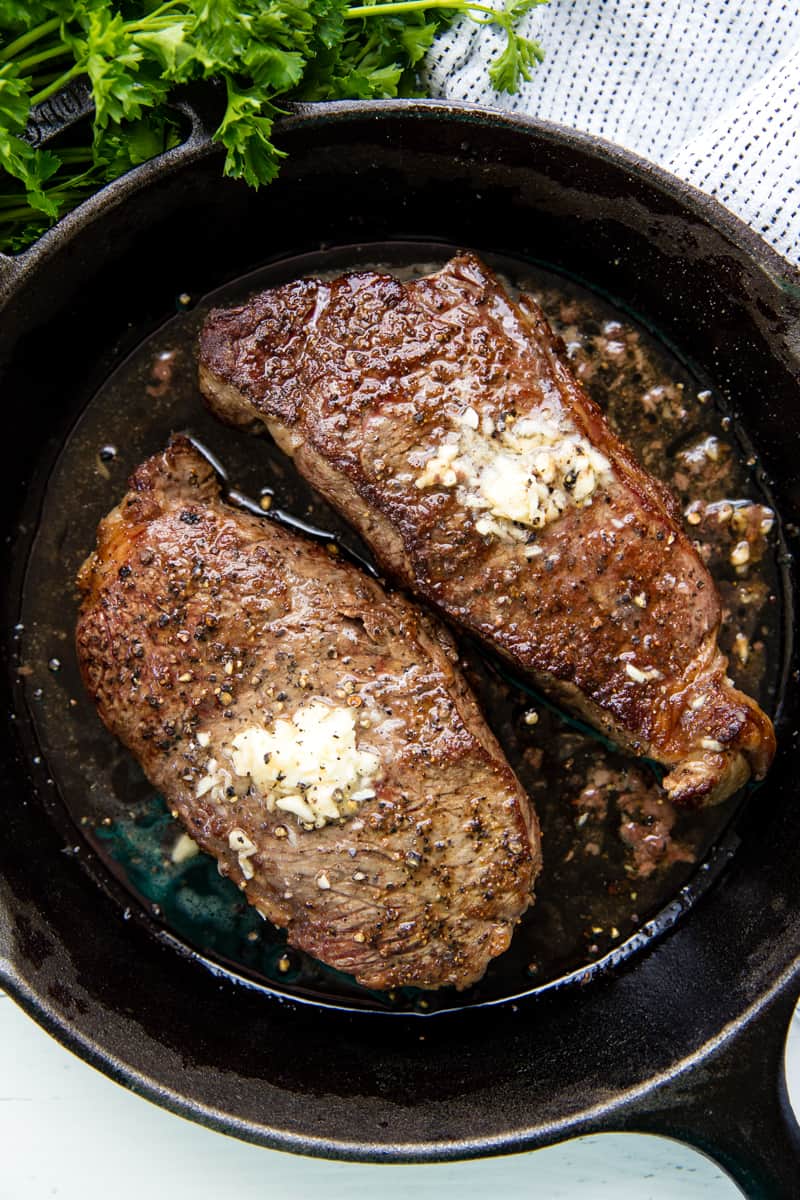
(290, 1076)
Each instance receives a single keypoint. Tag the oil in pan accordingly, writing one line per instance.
(620, 863)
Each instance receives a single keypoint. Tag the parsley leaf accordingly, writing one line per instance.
(170, 47)
(15, 104)
(19, 159)
(266, 52)
(31, 167)
(245, 133)
(514, 63)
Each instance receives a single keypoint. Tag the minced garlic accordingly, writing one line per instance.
(184, 849)
(307, 765)
(245, 849)
(517, 476)
(639, 676)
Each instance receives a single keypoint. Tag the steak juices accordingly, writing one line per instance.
(314, 733)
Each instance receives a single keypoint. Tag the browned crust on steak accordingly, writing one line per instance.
(198, 616)
(353, 376)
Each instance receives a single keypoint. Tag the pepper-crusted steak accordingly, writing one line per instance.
(440, 417)
(311, 732)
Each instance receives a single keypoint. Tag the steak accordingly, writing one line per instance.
(309, 730)
(441, 418)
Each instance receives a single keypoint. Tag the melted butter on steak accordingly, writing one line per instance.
(517, 474)
(307, 765)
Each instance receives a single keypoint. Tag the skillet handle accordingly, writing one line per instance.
(45, 122)
(62, 110)
(200, 104)
(734, 1106)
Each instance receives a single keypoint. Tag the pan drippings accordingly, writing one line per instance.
(615, 851)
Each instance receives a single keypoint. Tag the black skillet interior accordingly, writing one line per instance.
(352, 1084)
(598, 899)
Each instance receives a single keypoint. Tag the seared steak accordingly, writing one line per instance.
(310, 731)
(441, 418)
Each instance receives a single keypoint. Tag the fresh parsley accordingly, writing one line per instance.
(265, 52)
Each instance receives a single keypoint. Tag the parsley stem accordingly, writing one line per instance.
(152, 23)
(403, 6)
(163, 8)
(38, 80)
(27, 39)
(158, 18)
(69, 154)
(43, 56)
(56, 85)
(21, 214)
(12, 208)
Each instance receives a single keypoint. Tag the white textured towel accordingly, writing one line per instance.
(710, 89)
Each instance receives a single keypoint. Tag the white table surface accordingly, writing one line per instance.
(67, 1131)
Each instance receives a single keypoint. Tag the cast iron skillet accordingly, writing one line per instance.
(684, 1038)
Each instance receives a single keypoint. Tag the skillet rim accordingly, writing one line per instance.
(198, 143)
(779, 271)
